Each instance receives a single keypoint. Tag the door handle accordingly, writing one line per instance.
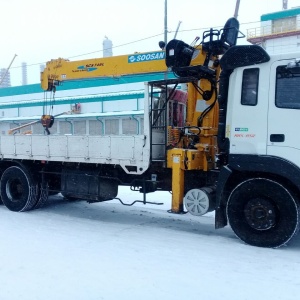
(277, 138)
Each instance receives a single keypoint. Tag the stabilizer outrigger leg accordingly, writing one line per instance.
(139, 201)
(142, 186)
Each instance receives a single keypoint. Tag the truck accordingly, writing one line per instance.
(220, 135)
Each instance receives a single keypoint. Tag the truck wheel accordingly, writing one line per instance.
(1, 202)
(18, 189)
(42, 196)
(263, 213)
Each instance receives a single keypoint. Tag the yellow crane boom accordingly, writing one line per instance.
(58, 70)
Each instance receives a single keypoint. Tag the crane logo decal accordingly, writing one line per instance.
(146, 57)
(88, 67)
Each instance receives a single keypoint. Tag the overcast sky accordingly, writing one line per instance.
(38, 31)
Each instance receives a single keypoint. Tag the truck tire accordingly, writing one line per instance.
(42, 196)
(18, 189)
(263, 213)
(1, 202)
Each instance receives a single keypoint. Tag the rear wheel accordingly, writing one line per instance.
(263, 213)
(42, 196)
(1, 202)
(18, 189)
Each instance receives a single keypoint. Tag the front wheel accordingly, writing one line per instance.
(263, 213)
(18, 189)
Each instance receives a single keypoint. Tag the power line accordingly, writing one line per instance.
(133, 42)
(136, 41)
(96, 51)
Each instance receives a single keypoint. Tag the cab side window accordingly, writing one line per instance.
(287, 88)
(250, 86)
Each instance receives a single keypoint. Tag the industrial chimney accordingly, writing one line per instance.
(107, 47)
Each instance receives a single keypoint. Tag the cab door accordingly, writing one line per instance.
(284, 112)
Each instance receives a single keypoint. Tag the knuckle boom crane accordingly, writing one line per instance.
(210, 136)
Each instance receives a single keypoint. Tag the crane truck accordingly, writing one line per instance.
(228, 144)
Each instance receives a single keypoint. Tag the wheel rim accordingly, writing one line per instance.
(260, 214)
(14, 190)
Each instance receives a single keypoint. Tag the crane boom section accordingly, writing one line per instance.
(59, 70)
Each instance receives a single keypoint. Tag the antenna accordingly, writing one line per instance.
(177, 29)
(4, 75)
(236, 11)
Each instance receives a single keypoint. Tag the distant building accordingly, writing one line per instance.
(4, 78)
(279, 31)
(24, 73)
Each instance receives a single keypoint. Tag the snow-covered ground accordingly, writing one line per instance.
(81, 251)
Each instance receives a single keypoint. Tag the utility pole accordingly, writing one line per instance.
(237, 6)
(166, 32)
(166, 22)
